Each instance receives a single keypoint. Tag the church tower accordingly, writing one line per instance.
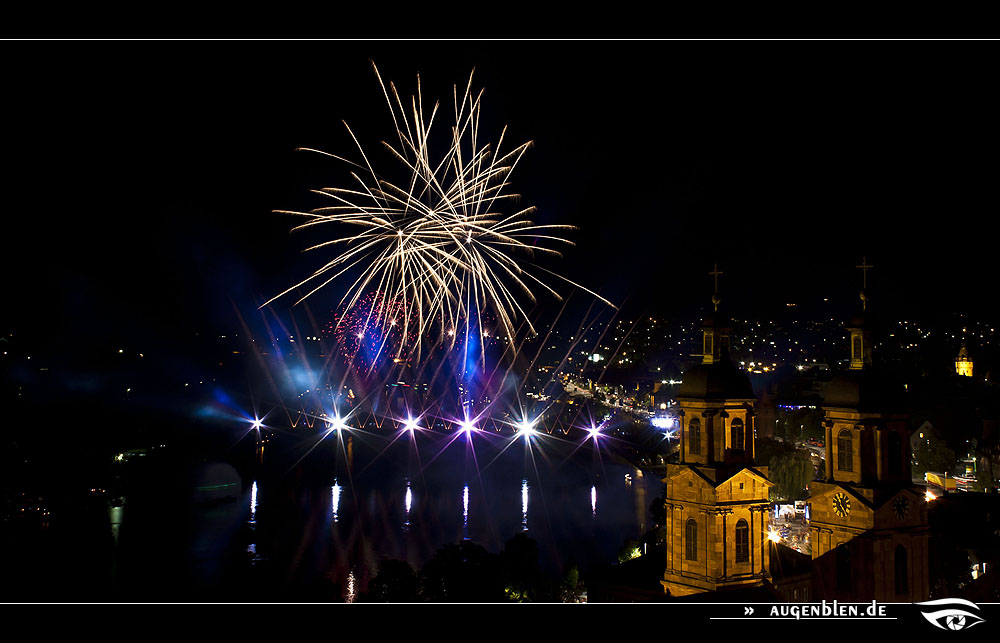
(861, 336)
(868, 521)
(716, 497)
(963, 365)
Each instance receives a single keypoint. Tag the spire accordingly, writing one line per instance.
(864, 281)
(963, 365)
(715, 298)
(861, 346)
(715, 329)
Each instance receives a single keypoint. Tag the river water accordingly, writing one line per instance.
(313, 519)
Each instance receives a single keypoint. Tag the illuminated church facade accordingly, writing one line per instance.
(717, 499)
(868, 521)
(868, 524)
(963, 365)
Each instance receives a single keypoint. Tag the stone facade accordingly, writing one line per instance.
(717, 500)
(868, 522)
(884, 539)
(717, 529)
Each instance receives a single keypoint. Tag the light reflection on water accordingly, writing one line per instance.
(524, 505)
(253, 501)
(379, 518)
(352, 590)
(252, 545)
(115, 512)
(409, 504)
(465, 512)
(331, 521)
(641, 507)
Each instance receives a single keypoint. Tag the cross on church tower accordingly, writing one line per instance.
(715, 330)
(864, 271)
(715, 497)
(715, 298)
(864, 280)
(861, 350)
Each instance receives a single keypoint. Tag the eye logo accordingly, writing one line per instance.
(954, 618)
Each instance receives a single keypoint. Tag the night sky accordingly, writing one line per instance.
(141, 176)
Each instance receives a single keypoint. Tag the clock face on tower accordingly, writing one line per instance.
(900, 506)
(841, 504)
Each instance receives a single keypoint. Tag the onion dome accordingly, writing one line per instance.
(718, 381)
(865, 391)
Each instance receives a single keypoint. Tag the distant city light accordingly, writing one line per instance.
(665, 423)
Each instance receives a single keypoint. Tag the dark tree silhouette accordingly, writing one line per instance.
(466, 573)
(395, 582)
(523, 574)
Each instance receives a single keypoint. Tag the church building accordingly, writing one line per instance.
(868, 524)
(963, 365)
(717, 499)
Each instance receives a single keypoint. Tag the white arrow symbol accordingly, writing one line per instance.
(747, 611)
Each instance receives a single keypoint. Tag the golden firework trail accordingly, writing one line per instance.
(438, 244)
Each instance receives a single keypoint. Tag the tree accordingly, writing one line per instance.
(465, 572)
(791, 472)
(658, 509)
(933, 454)
(569, 588)
(523, 574)
(800, 423)
(630, 549)
(985, 469)
(395, 582)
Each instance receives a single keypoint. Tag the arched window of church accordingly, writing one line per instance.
(843, 563)
(856, 345)
(736, 432)
(895, 454)
(691, 540)
(902, 575)
(742, 541)
(694, 436)
(845, 451)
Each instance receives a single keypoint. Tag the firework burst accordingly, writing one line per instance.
(374, 326)
(438, 245)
